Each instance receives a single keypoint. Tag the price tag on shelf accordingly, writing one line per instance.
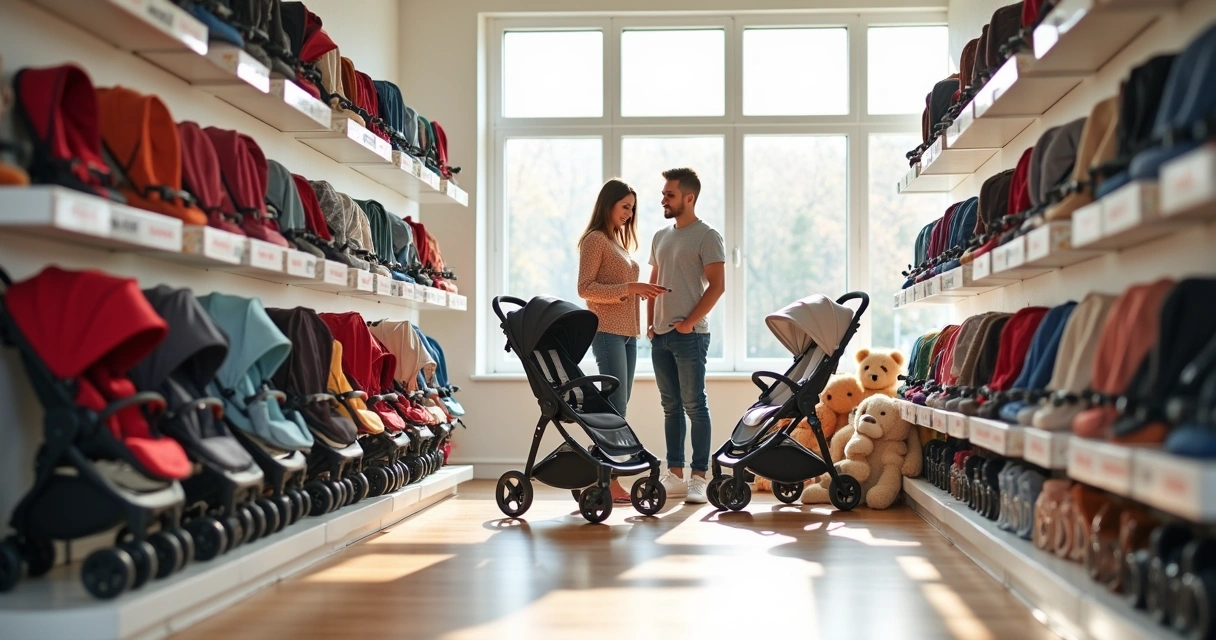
(981, 267)
(1038, 243)
(1000, 258)
(81, 213)
(1015, 253)
(1189, 181)
(407, 290)
(1087, 224)
(333, 273)
(383, 286)
(956, 425)
(437, 297)
(457, 302)
(263, 255)
(300, 264)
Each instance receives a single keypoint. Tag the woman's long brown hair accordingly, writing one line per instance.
(611, 193)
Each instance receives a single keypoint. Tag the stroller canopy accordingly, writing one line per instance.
(91, 328)
(364, 359)
(307, 371)
(549, 320)
(403, 342)
(181, 368)
(257, 350)
(813, 320)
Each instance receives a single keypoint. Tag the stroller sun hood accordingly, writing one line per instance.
(815, 319)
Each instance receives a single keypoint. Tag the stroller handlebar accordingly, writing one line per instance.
(611, 383)
(856, 295)
(511, 299)
(759, 376)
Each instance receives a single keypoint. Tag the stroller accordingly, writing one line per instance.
(402, 341)
(816, 330)
(551, 336)
(101, 465)
(228, 482)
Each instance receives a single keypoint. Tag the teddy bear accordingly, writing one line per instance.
(841, 395)
(878, 372)
(883, 449)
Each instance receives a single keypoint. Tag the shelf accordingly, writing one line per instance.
(224, 65)
(998, 437)
(914, 182)
(446, 191)
(1009, 261)
(1189, 185)
(57, 606)
(939, 159)
(1082, 35)
(1128, 216)
(1060, 591)
(453, 191)
(404, 174)
(71, 216)
(1105, 465)
(956, 284)
(1048, 449)
(969, 132)
(1185, 487)
(135, 25)
(1019, 88)
(348, 142)
(284, 105)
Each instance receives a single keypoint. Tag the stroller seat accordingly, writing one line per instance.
(257, 351)
(350, 404)
(306, 374)
(587, 407)
(367, 363)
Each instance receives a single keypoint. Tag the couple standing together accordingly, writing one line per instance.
(687, 276)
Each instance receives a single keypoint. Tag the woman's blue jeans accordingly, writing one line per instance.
(616, 356)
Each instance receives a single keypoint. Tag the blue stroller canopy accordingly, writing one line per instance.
(560, 323)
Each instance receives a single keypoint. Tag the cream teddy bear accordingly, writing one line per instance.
(881, 451)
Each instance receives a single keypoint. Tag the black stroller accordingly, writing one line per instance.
(551, 336)
(816, 330)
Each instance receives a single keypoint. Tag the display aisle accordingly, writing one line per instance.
(214, 283)
(1070, 405)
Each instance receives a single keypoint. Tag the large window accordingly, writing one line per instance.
(796, 125)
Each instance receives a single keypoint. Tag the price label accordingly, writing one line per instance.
(1000, 258)
(1038, 243)
(223, 246)
(301, 101)
(335, 273)
(1015, 253)
(300, 264)
(1087, 224)
(1190, 181)
(383, 286)
(981, 267)
(407, 290)
(264, 255)
(956, 425)
(82, 214)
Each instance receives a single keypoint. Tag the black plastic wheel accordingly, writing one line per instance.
(513, 494)
(287, 510)
(1202, 594)
(339, 491)
(106, 573)
(235, 531)
(788, 493)
(712, 489)
(1135, 578)
(417, 469)
(361, 485)
(377, 481)
(186, 540)
(299, 499)
(38, 554)
(595, 504)
(270, 512)
(735, 494)
(144, 555)
(10, 566)
(845, 492)
(169, 553)
(255, 525)
(648, 496)
(210, 538)
(320, 498)
(401, 471)
(352, 493)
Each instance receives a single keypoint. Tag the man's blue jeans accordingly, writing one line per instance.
(616, 356)
(679, 371)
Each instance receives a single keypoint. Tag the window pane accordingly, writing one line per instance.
(795, 72)
(795, 202)
(553, 74)
(673, 73)
(895, 221)
(551, 186)
(643, 161)
(904, 63)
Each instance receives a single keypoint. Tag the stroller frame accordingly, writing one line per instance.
(777, 455)
(587, 473)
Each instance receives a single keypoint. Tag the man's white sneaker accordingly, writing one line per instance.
(696, 490)
(676, 487)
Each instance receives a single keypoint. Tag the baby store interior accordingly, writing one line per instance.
(545, 319)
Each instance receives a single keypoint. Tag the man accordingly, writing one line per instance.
(688, 259)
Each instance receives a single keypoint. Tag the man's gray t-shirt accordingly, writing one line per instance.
(681, 255)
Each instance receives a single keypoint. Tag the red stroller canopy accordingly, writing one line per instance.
(245, 178)
(363, 357)
(202, 177)
(313, 216)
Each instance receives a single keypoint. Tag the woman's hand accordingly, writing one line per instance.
(646, 290)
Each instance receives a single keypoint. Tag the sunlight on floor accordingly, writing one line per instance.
(955, 613)
(863, 535)
(919, 568)
(705, 528)
(377, 567)
(768, 570)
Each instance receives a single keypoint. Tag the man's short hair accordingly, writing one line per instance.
(687, 179)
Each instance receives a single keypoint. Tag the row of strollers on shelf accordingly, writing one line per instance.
(125, 146)
(1137, 369)
(198, 424)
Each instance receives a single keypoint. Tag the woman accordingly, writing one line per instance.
(608, 281)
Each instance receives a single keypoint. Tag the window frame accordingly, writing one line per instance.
(733, 127)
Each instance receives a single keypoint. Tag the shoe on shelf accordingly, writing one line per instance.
(676, 486)
(696, 490)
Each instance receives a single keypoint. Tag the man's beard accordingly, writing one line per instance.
(672, 212)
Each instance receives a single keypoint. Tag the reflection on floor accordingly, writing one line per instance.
(460, 571)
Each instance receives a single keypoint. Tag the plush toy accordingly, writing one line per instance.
(841, 395)
(878, 371)
(882, 450)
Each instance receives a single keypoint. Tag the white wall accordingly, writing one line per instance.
(1185, 253)
(32, 36)
(501, 413)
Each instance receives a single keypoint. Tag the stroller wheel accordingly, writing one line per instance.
(788, 493)
(210, 538)
(845, 492)
(403, 472)
(144, 555)
(513, 494)
(187, 541)
(735, 494)
(648, 496)
(364, 487)
(270, 513)
(300, 499)
(712, 491)
(10, 566)
(287, 511)
(254, 522)
(320, 498)
(377, 481)
(417, 469)
(339, 491)
(39, 555)
(170, 556)
(595, 504)
(107, 573)
(352, 496)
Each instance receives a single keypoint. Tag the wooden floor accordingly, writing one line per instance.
(459, 570)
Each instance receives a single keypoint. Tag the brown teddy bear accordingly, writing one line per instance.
(878, 372)
(841, 395)
(883, 449)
